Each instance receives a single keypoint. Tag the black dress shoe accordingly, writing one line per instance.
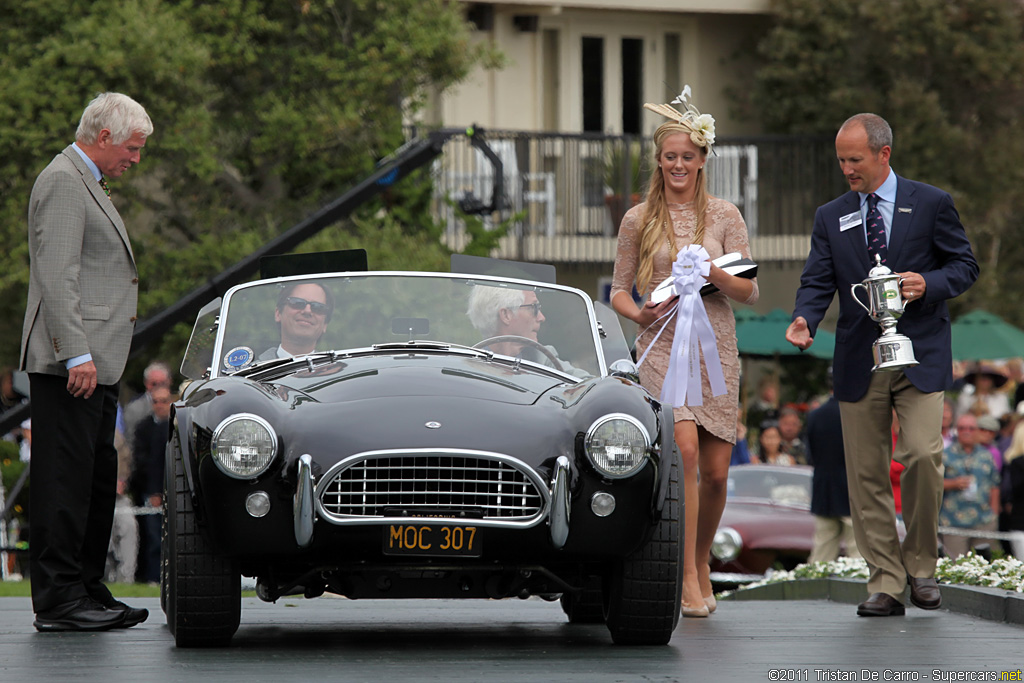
(132, 615)
(924, 592)
(84, 614)
(881, 605)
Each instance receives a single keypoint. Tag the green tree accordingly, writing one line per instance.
(263, 111)
(948, 75)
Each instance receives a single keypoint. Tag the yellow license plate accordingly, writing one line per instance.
(424, 539)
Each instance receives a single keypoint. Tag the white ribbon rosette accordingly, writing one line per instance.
(693, 334)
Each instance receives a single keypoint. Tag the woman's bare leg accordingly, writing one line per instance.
(714, 457)
(688, 443)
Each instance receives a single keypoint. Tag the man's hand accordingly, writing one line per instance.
(82, 380)
(798, 334)
(912, 286)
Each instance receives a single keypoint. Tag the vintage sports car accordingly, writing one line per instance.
(767, 523)
(418, 453)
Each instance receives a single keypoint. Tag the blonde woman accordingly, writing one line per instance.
(677, 212)
(1013, 470)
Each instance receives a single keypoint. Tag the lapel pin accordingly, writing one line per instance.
(905, 209)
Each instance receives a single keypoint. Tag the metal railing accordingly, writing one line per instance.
(574, 188)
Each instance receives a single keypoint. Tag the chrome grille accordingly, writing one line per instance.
(374, 486)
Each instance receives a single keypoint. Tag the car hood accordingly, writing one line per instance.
(425, 402)
(763, 525)
(412, 375)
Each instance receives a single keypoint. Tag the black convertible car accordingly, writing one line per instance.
(442, 436)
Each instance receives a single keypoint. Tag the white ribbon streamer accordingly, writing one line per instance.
(693, 334)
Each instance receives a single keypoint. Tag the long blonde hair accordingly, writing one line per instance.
(1016, 447)
(656, 222)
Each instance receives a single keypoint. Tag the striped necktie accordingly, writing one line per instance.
(103, 184)
(876, 230)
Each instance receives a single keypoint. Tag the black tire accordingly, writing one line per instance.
(587, 606)
(168, 492)
(645, 590)
(202, 593)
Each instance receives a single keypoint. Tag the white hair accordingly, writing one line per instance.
(485, 302)
(156, 366)
(120, 114)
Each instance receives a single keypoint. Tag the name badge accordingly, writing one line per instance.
(850, 220)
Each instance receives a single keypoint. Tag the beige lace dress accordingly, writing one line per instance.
(724, 232)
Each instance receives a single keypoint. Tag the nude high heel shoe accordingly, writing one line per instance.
(711, 603)
(695, 612)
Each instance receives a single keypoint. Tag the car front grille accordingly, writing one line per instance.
(478, 486)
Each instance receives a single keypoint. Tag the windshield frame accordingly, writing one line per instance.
(217, 369)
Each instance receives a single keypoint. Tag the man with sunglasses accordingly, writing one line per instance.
(502, 312)
(303, 311)
(970, 497)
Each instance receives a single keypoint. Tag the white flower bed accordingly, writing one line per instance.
(968, 570)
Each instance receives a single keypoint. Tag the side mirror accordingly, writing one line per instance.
(626, 369)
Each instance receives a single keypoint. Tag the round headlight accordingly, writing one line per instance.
(727, 544)
(617, 445)
(244, 446)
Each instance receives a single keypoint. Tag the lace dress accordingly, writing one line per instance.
(724, 232)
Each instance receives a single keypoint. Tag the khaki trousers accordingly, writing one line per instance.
(867, 438)
(829, 534)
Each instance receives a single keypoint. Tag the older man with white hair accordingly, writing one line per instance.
(82, 295)
(512, 319)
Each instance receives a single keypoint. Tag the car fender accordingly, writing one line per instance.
(668, 451)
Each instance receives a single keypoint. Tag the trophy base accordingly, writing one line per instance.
(893, 352)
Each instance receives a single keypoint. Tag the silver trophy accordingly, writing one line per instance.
(892, 350)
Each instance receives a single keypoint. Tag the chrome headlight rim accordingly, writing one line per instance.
(600, 422)
(224, 424)
(727, 544)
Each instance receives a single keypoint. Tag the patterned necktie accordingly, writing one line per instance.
(103, 184)
(876, 230)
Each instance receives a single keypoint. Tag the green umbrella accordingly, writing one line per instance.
(765, 335)
(980, 335)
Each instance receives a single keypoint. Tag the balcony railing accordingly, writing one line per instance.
(574, 189)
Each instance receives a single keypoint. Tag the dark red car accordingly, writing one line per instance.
(767, 523)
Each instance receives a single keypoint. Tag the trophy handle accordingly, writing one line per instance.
(853, 293)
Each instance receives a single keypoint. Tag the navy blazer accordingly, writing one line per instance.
(928, 238)
(830, 495)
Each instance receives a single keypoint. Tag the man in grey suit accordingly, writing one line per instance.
(78, 329)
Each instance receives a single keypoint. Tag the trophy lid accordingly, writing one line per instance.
(880, 270)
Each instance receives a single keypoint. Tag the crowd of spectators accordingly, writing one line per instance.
(141, 434)
(983, 438)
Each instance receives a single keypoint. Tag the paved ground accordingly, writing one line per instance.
(331, 639)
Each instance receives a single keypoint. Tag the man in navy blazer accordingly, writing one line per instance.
(925, 243)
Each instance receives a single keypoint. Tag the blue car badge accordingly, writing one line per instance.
(238, 357)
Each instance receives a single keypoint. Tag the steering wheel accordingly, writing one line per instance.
(522, 340)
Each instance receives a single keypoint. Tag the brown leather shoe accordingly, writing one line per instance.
(924, 592)
(881, 605)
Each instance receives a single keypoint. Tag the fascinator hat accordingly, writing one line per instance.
(700, 126)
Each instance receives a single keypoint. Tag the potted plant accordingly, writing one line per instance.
(624, 178)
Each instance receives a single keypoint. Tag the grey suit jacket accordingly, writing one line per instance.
(83, 283)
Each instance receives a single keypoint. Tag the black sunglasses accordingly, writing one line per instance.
(535, 306)
(299, 304)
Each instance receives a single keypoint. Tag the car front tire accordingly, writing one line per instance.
(645, 589)
(202, 591)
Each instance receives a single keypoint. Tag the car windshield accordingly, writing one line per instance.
(284, 317)
(777, 485)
